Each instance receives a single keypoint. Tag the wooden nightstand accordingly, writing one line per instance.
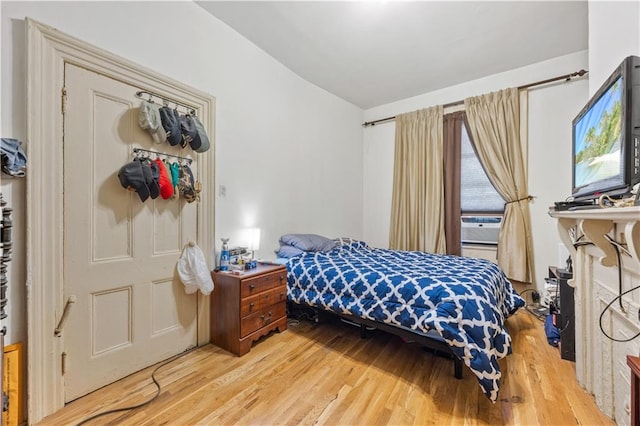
(248, 306)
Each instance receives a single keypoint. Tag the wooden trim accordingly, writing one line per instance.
(45, 392)
(48, 51)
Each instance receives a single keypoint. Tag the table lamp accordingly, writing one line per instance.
(254, 241)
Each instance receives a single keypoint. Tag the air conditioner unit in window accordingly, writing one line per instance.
(480, 229)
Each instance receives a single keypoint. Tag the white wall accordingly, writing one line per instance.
(614, 34)
(551, 109)
(289, 153)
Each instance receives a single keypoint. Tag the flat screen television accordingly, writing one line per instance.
(606, 136)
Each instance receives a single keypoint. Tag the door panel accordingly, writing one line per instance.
(167, 236)
(108, 331)
(119, 253)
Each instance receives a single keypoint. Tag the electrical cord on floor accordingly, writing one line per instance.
(299, 313)
(537, 315)
(527, 307)
(142, 404)
(618, 297)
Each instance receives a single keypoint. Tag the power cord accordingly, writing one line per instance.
(618, 248)
(615, 246)
(142, 404)
(534, 295)
(618, 297)
(582, 243)
(299, 313)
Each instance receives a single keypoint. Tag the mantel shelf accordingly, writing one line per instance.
(597, 223)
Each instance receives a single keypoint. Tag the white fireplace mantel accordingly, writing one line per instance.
(595, 224)
(598, 282)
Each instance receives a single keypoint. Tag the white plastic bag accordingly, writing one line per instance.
(193, 270)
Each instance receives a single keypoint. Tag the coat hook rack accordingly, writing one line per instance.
(162, 154)
(165, 100)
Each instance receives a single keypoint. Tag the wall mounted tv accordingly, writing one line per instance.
(606, 136)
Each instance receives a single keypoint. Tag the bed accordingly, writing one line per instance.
(464, 300)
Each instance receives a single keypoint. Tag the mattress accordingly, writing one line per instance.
(465, 300)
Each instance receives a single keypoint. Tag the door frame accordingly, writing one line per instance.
(48, 51)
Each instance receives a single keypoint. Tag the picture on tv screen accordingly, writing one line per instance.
(598, 141)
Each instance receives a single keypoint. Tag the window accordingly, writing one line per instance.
(477, 194)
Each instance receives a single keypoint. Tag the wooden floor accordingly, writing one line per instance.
(325, 374)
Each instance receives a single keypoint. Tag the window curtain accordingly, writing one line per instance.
(452, 133)
(494, 123)
(417, 203)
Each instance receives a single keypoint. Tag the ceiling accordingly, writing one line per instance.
(375, 52)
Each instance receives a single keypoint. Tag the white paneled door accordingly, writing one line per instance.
(130, 309)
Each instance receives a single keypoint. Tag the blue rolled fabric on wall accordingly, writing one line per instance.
(14, 159)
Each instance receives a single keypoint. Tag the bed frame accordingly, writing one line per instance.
(435, 344)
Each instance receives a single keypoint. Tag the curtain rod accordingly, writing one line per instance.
(566, 77)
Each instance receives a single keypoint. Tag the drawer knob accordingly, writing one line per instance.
(251, 305)
(281, 277)
(252, 286)
(269, 313)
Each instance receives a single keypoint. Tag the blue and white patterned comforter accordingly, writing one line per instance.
(466, 300)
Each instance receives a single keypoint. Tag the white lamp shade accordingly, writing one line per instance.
(254, 239)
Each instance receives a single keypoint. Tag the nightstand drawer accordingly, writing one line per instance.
(256, 285)
(275, 295)
(250, 305)
(261, 318)
(278, 294)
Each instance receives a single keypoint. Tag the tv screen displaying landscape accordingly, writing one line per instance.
(597, 139)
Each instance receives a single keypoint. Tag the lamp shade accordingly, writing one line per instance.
(254, 239)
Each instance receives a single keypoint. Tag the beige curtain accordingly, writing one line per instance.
(417, 205)
(494, 122)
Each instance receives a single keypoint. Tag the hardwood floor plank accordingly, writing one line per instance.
(325, 374)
